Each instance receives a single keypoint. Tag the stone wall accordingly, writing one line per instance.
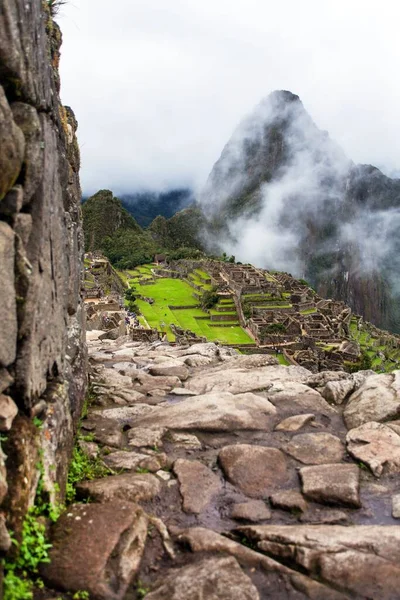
(42, 347)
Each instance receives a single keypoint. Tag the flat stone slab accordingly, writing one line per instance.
(198, 484)
(255, 510)
(133, 460)
(221, 411)
(97, 548)
(362, 560)
(376, 445)
(141, 437)
(378, 399)
(255, 470)
(332, 484)
(315, 448)
(208, 579)
(290, 500)
(128, 486)
(240, 380)
(295, 423)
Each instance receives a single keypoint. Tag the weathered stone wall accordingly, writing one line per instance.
(42, 347)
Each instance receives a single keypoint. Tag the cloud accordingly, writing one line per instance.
(316, 203)
(158, 87)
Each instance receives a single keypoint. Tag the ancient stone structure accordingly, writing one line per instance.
(42, 348)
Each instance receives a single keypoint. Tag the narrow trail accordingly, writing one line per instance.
(233, 480)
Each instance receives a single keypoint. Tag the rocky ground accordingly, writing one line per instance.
(236, 478)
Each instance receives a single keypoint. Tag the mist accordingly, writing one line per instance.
(309, 206)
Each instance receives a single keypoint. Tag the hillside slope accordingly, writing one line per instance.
(284, 195)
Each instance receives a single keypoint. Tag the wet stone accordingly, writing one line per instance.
(315, 448)
(332, 484)
(255, 470)
(290, 500)
(255, 510)
(198, 484)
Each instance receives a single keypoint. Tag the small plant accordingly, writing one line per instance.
(141, 590)
(83, 467)
(55, 6)
(81, 595)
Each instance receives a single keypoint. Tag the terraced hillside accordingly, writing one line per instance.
(258, 308)
(176, 302)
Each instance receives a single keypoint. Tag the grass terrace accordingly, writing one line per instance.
(175, 292)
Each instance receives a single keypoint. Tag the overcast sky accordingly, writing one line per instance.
(159, 85)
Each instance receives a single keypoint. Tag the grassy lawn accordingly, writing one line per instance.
(309, 311)
(175, 292)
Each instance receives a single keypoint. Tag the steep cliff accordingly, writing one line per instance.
(42, 348)
(284, 195)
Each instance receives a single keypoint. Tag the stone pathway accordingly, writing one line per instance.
(236, 479)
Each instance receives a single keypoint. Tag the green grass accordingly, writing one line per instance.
(175, 292)
(309, 311)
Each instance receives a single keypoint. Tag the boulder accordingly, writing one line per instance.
(198, 484)
(378, 399)
(220, 411)
(215, 578)
(337, 391)
(171, 368)
(362, 561)
(376, 445)
(332, 484)
(97, 548)
(255, 470)
(315, 448)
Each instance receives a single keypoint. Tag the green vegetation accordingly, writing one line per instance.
(209, 298)
(275, 328)
(175, 292)
(22, 567)
(379, 349)
(109, 228)
(83, 467)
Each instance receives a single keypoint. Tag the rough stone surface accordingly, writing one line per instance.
(332, 484)
(294, 423)
(337, 391)
(376, 445)
(255, 470)
(109, 541)
(396, 506)
(240, 380)
(211, 578)
(255, 510)
(8, 412)
(12, 145)
(130, 487)
(133, 460)
(198, 484)
(362, 561)
(8, 305)
(378, 399)
(315, 448)
(214, 412)
(290, 500)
